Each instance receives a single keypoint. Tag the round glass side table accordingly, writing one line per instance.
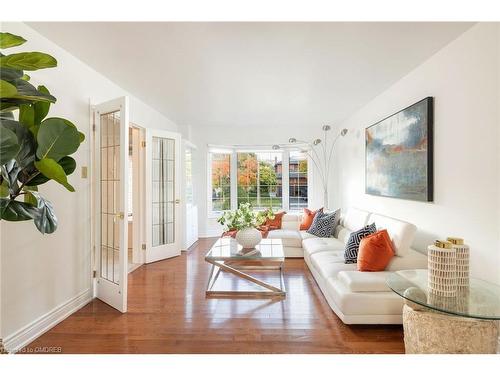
(467, 323)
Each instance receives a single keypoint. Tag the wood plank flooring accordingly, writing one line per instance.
(168, 313)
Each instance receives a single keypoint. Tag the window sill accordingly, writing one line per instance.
(215, 214)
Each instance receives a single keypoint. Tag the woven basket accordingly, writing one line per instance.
(442, 269)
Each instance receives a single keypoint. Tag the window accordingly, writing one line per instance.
(297, 171)
(220, 166)
(265, 179)
(259, 179)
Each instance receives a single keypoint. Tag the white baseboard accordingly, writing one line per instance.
(38, 327)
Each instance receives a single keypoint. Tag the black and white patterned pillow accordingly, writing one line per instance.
(352, 245)
(323, 224)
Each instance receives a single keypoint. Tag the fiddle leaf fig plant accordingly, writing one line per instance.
(34, 148)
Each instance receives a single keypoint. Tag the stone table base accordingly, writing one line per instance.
(427, 332)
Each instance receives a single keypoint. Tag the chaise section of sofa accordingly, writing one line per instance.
(356, 297)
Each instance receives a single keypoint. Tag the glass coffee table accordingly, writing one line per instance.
(228, 256)
(467, 323)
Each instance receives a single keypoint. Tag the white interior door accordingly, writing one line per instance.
(111, 201)
(162, 195)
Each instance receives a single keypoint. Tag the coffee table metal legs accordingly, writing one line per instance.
(236, 268)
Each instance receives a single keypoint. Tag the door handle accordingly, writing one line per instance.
(120, 215)
(177, 201)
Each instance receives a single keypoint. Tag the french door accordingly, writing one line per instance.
(162, 195)
(111, 203)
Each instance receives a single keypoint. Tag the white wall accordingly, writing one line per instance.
(39, 273)
(240, 136)
(464, 80)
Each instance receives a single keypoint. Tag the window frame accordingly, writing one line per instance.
(211, 212)
(233, 164)
(309, 180)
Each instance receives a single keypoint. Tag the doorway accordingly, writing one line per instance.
(135, 198)
(136, 222)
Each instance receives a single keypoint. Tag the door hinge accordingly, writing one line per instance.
(143, 143)
(94, 274)
(143, 246)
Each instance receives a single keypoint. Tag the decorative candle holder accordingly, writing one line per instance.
(462, 262)
(442, 269)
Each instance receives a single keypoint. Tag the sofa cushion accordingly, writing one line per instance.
(355, 219)
(363, 303)
(306, 235)
(275, 223)
(330, 263)
(337, 217)
(291, 221)
(342, 233)
(401, 232)
(317, 244)
(308, 218)
(357, 281)
(289, 237)
(375, 252)
(413, 259)
(352, 245)
(323, 224)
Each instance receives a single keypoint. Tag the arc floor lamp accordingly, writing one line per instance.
(320, 151)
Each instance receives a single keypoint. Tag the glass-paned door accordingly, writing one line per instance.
(111, 160)
(163, 186)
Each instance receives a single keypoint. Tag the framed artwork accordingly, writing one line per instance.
(399, 154)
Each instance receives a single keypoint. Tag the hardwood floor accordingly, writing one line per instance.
(168, 313)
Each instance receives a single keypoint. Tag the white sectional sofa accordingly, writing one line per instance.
(356, 297)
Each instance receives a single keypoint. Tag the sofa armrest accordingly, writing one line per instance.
(291, 221)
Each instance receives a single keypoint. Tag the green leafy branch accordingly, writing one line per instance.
(244, 217)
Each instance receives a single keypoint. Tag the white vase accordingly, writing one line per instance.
(248, 237)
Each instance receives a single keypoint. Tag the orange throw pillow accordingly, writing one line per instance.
(308, 218)
(375, 251)
(276, 222)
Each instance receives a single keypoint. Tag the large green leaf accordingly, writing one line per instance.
(41, 107)
(6, 116)
(26, 155)
(28, 61)
(51, 169)
(10, 171)
(44, 216)
(27, 115)
(12, 210)
(9, 146)
(6, 107)
(8, 40)
(30, 198)
(67, 163)
(7, 90)
(10, 74)
(4, 189)
(56, 138)
(27, 93)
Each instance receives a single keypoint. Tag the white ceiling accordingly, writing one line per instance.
(253, 74)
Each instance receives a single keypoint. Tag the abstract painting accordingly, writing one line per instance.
(399, 154)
